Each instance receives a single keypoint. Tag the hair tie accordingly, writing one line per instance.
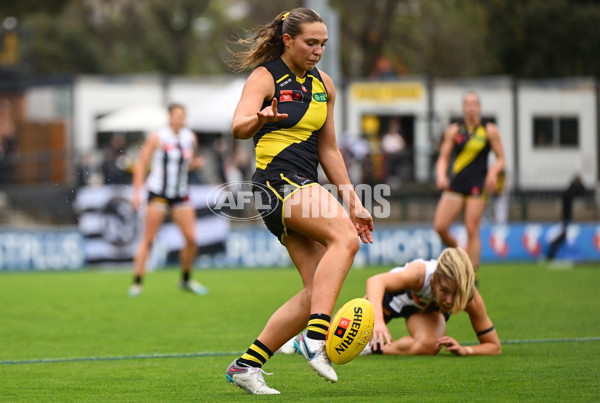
(285, 16)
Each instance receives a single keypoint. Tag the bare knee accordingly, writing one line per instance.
(441, 229)
(146, 243)
(348, 241)
(190, 239)
(353, 245)
(443, 232)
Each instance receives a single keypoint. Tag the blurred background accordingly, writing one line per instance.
(82, 82)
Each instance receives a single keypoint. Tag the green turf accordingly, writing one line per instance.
(87, 314)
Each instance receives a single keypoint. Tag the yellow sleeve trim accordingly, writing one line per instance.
(282, 78)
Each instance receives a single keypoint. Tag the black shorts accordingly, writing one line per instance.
(270, 197)
(407, 311)
(167, 201)
(468, 188)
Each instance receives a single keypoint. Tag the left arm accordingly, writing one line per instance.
(333, 164)
(489, 343)
(498, 149)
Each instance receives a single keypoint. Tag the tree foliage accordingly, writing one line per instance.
(442, 38)
(541, 38)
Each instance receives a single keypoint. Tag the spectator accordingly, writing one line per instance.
(392, 147)
(383, 69)
(115, 164)
(574, 190)
(7, 142)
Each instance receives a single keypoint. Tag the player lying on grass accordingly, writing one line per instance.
(426, 293)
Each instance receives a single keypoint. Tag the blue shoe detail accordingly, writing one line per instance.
(297, 347)
(310, 355)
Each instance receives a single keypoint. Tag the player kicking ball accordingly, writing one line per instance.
(286, 108)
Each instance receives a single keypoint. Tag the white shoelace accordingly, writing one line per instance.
(261, 371)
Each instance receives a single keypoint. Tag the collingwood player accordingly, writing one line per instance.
(426, 293)
(171, 152)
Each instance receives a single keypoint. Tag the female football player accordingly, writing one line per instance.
(426, 293)
(286, 107)
(170, 152)
(468, 144)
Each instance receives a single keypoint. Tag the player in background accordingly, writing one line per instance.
(171, 151)
(467, 144)
(426, 293)
(286, 107)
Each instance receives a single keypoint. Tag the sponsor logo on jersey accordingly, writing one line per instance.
(481, 138)
(320, 97)
(414, 297)
(286, 82)
(303, 180)
(291, 96)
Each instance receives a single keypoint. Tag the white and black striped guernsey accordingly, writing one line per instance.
(403, 303)
(170, 162)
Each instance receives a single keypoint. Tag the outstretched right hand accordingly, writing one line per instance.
(270, 114)
(381, 336)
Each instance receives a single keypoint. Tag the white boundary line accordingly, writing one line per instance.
(117, 358)
(220, 354)
(567, 340)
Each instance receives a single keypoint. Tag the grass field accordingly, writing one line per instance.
(78, 337)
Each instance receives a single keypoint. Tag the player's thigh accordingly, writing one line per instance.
(184, 216)
(448, 208)
(317, 214)
(426, 327)
(154, 218)
(474, 209)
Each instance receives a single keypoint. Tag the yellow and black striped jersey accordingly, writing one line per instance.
(470, 163)
(290, 146)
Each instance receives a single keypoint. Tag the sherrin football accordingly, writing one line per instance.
(350, 331)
